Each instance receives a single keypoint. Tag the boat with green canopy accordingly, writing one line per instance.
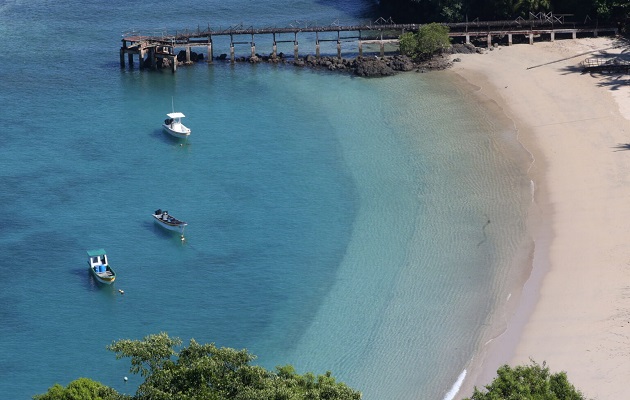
(99, 266)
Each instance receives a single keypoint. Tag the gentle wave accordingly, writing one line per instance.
(450, 395)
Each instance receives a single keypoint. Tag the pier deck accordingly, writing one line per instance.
(151, 48)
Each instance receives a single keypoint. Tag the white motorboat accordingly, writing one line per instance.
(174, 127)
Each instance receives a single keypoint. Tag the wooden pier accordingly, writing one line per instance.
(151, 49)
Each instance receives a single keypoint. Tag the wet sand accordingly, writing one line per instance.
(574, 309)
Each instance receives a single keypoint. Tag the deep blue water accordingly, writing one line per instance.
(335, 223)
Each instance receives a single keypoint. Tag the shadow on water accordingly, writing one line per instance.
(161, 232)
(89, 283)
(160, 135)
(370, 10)
(220, 258)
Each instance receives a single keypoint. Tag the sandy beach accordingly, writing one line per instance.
(574, 310)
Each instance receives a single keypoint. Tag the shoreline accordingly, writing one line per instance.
(574, 302)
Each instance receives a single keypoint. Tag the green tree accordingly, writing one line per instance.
(430, 40)
(204, 371)
(81, 389)
(532, 381)
(409, 44)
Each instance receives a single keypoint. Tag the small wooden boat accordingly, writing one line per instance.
(174, 127)
(164, 219)
(99, 267)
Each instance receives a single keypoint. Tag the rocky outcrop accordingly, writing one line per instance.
(368, 67)
(194, 57)
(461, 48)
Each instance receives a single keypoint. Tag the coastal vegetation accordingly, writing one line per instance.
(532, 381)
(424, 11)
(202, 371)
(431, 39)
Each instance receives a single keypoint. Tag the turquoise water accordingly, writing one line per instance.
(335, 223)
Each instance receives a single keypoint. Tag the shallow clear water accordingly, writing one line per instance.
(335, 223)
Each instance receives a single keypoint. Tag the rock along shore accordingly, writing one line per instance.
(364, 66)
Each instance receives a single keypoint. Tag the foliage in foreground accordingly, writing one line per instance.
(80, 389)
(430, 39)
(203, 372)
(532, 382)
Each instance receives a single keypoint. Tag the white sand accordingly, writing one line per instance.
(575, 309)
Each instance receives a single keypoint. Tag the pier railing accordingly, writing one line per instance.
(160, 43)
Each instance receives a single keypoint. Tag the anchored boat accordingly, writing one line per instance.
(173, 125)
(167, 221)
(99, 267)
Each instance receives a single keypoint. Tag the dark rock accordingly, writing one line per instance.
(194, 57)
(401, 63)
(436, 63)
(371, 67)
(459, 48)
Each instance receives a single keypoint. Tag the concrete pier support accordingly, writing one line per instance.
(187, 54)
(360, 49)
(489, 40)
(382, 46)
(152, 58)
(174, 64)
(130, 59)
(553, 36)
(338, 49)
(531, 38)
(317, 50)
(509, 39)
(595, 33)
(295, 50)
(574, 34)
(467, 39)
(253, 49)
(210, 55)
(274, 50)
(232, 53)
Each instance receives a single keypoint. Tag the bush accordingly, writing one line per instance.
(431, 39)
(528, 382)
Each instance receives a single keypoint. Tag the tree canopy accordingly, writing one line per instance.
(80, 389)
(423, 11)
(429, 40)
(532, 382)
(202, 371)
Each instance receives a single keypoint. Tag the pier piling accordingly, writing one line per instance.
(160, 47)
